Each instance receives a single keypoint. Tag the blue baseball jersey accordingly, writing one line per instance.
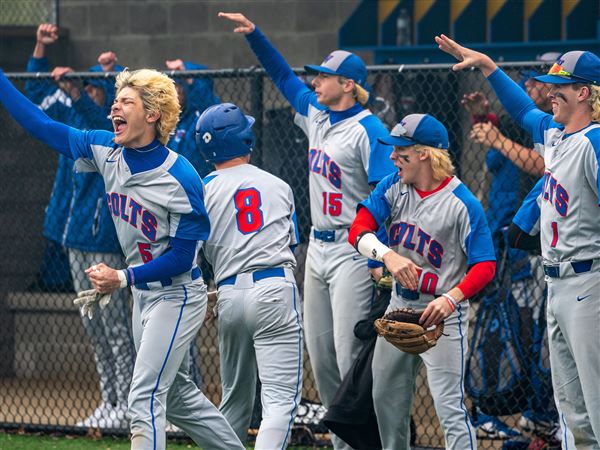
(444, 233)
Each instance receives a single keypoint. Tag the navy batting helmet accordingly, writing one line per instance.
(224, 132)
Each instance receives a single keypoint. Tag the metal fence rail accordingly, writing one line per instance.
(48, 375)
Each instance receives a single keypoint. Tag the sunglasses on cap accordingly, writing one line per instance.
(560, 71)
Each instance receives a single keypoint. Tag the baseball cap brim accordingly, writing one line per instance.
(398, 141)
(555, 79)
(319, 69)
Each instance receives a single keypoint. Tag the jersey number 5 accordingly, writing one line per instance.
(249, 216)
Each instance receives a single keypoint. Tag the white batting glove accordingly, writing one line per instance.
(87, 301)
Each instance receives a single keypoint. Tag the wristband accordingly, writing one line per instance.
(368, 245)
(451, 301)
(122, 278)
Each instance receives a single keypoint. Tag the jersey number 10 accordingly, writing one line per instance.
(249, 216)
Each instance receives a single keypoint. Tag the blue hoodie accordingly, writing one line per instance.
(198, 96)
(76, 215)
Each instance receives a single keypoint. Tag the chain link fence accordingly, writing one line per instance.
(61, 372)
(28, 12)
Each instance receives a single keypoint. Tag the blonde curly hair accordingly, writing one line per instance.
(158, 94)
(441, 164)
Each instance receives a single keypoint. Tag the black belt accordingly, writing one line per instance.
(578, 267)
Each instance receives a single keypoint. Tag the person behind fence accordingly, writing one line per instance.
(54, 274)
(157, 204)
(441, 255)
(83, 223)
(512, 161)
(258, 306)
(344, 158)
(195, 95)
(565, 213)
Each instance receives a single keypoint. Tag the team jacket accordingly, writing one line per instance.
(76, 215)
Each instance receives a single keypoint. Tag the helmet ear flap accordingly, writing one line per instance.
(224, 132)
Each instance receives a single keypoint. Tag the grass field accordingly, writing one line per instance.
(11, 441)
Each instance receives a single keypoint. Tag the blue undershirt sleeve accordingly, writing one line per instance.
(33, 119)
(280, 72)
(520, 106)
(177, 260)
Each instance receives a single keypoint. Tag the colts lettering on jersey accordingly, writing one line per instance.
(132, 212)
(321, 162)
(555, 194)
(414, 238)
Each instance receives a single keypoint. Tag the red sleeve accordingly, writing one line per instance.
(364, 221)
(477, 277)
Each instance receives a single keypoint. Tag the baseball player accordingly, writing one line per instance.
(437, 234)
(253, 227)
(344, 157)
(78, 218)
(567, 218)
(156, 200)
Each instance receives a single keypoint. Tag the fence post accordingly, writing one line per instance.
(257, 110)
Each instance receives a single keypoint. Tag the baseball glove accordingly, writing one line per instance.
(88, 300)
(401, 328)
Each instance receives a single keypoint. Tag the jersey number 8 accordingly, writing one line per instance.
(249, 216)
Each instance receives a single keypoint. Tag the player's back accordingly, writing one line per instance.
(252, 219)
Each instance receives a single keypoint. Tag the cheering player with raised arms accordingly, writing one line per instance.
(156, 201)
(565, 214)
(344, 158)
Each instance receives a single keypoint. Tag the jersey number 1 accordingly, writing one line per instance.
(249, 217)
(554, 234)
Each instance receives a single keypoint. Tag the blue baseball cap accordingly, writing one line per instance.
(418, 129)
(343, 63)
(574, 67)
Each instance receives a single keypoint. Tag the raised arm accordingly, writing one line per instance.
(46, 34)
(276, 66)
(516, 102)
(526, 159)
(33, 119)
